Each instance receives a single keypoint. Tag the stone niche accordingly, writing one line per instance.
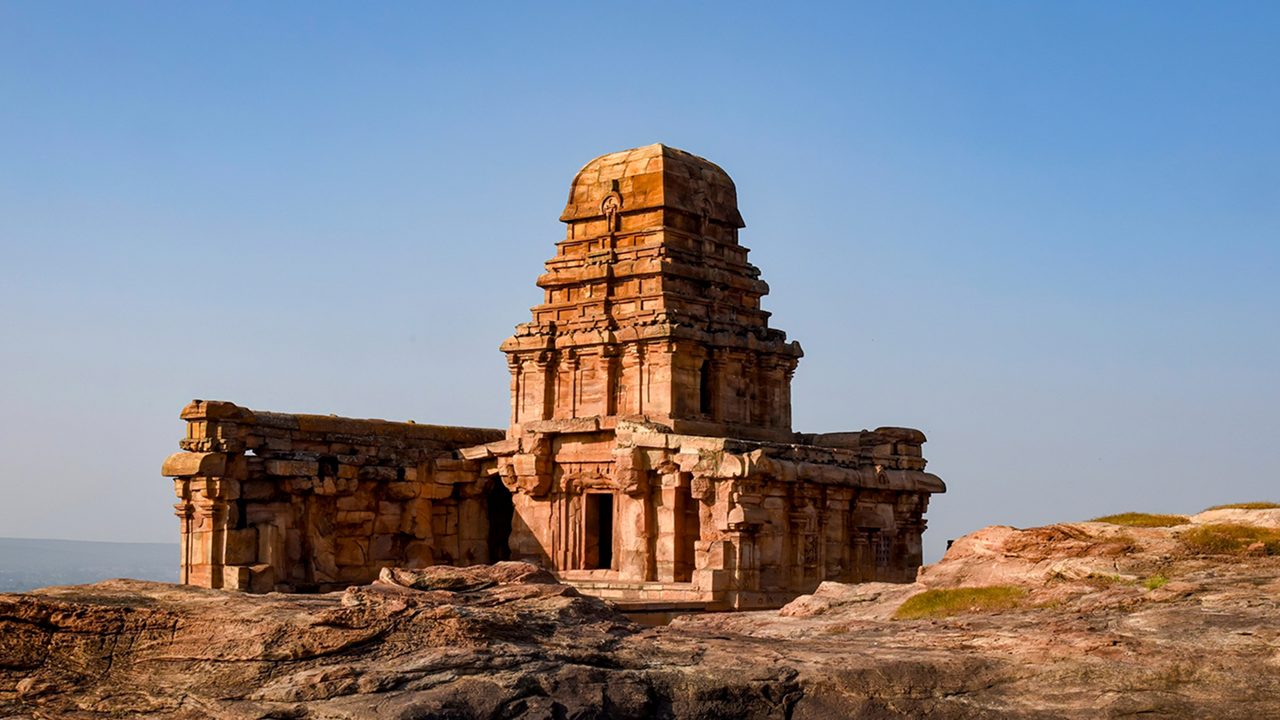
(649, 457)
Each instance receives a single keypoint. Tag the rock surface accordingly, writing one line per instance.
(1117, 622)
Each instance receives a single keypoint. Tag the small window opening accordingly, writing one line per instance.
(328, 465)
(882, 550)
(704, 388)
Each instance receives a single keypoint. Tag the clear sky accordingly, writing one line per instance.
(1047, 234)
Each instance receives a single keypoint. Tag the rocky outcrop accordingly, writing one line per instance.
(1116, 622)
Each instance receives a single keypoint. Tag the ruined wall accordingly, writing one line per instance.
(274, 501)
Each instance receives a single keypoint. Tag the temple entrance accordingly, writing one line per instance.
(599, 531)
(688, 531)
(501, 512)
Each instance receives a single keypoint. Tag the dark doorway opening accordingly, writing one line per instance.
(599, 535)
(501, 511)
(688, 533)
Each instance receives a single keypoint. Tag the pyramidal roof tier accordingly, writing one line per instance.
(653, 176)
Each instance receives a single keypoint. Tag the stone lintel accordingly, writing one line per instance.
(190, 464)
(215, 410)
(333, 425)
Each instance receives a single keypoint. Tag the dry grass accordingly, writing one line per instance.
(1102, 580)
(954, 601)
(1137, 519)
(1227, 539)
(1245, 506)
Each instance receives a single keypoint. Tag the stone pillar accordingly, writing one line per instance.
(719, 385)
(631, 386)
(541, 385)
(567, 394)
(660, 385)
(864, 561)
(772, 398)
(666, 518)
(632, 536)
(784, 402)
(532, 518)
(748, 391)
(473, 525)
(517, 388)
(209, 541)
(838, 546)
(611, 368)
(743, 523)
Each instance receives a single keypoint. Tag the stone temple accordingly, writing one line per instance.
(649, 457)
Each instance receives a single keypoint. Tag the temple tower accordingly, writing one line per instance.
(651, 309)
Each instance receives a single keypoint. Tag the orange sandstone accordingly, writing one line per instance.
(649, 457)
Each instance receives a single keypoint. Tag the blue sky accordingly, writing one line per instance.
(1048, 235)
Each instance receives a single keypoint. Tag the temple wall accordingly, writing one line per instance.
(272, 501)
(721, 522)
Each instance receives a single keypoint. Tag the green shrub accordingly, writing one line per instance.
(1155, 581)
(1228, 539)
(1245, 506)
(1136, 519)
(953, 601)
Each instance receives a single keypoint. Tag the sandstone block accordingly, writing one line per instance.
(348, 517)
(351, 551)
(384, 547)
(402, 490)
(293, 468)
(257, 490)
(418, 554)
(378, 473)
(187, 464)
(359, 501)
(435, 491)
(241, 547)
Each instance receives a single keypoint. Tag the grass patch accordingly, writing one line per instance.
(1105, 580)
(1245, 506)
(1136, 519)
(1156, 581)
(953, 601)
(1227, 539)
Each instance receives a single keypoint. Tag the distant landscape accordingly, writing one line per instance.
(26, 564)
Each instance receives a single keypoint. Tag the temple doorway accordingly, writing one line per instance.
(501, 512)
(599, 535)
(688, 532)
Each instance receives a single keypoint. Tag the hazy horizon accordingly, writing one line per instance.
(30, 563)
(1046, 235)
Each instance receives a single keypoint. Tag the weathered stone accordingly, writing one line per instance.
(403, 490)
(292, 468)
(185, 464)
(351, 551)
(508, 641)
(242, 547)
(649, 456)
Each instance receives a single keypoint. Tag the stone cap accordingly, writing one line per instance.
(304, 424)
(653, 176)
